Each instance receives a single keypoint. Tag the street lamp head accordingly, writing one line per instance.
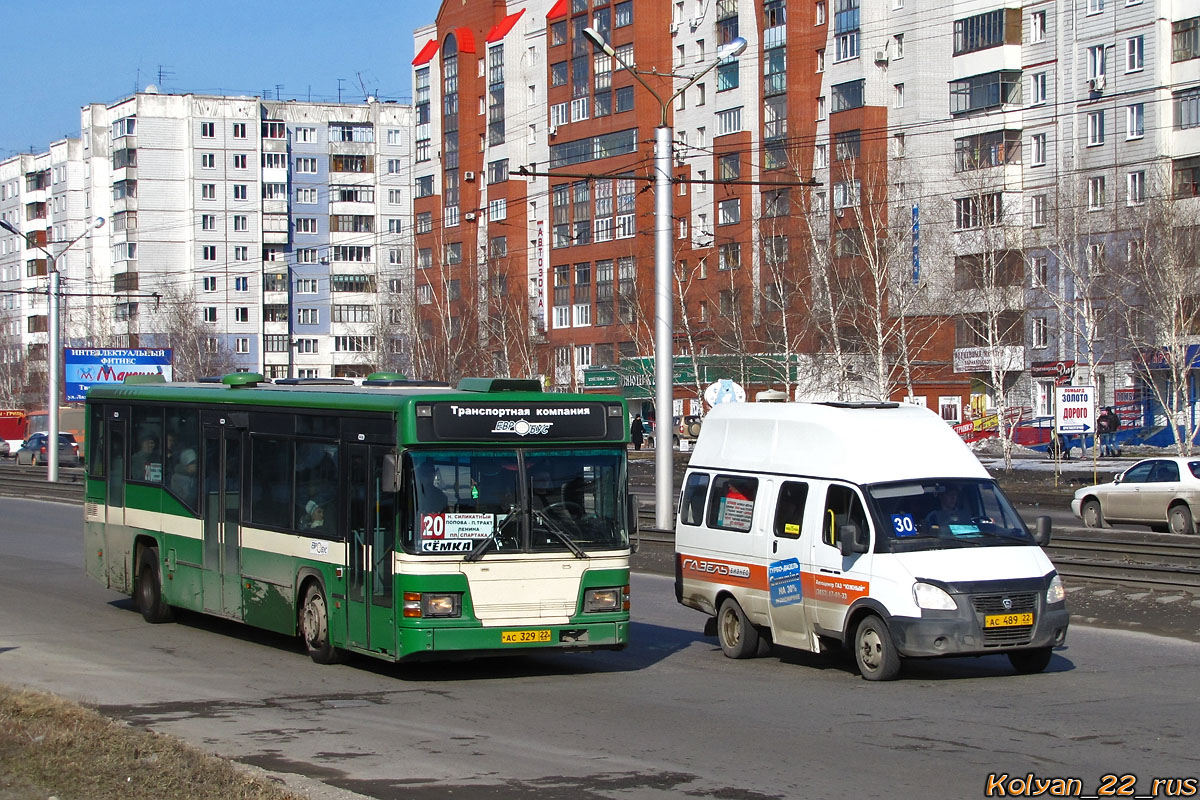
(596, 39)
(98, 223)
(731, 49)
(8, 226)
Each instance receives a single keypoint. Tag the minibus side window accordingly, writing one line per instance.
(841, 506)
(789, 510)
(691, 502)
(731, 504)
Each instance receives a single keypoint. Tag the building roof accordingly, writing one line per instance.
(503, 27)
(557, 10)
(426, 54)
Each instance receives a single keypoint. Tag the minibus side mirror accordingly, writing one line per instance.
(1041, 531)
(851, 540)
(631, 512)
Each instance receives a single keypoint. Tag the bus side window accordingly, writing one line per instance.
(841, 506)
(691, 502)
(789, 510)
(182, 449)
(95, 442)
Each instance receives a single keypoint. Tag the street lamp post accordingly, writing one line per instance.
(664, 304)
(52, 297)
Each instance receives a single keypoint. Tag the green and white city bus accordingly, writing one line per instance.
(396, 519)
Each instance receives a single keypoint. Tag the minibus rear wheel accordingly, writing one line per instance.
(739, 639)
(874, 651)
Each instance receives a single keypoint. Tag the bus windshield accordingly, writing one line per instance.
(942, 513)
(516, 501)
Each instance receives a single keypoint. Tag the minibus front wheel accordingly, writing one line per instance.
(874, 651)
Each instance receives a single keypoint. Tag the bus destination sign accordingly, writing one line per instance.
(519, 423)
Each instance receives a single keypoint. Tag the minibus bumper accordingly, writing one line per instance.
(960, 633)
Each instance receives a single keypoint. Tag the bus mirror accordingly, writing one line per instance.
(391, 474)
(631, 512)
(851, 540)
(1041, 530)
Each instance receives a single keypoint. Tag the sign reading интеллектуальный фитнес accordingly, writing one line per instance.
(86, 367)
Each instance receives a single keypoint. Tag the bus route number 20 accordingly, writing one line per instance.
(433, 526)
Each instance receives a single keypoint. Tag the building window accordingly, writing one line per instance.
(1038, 86)
(898, 95)
(729, 212)
(209, 283)
(1037, 27)
(208, 160)
(306, 224)
(974, 212)
(306, 286)
(989, 29)
(210, 313)
(1185, 39)
(241, 253)
(208, 191)
(240, 222)
(208, 130)
(729, 121)
(208, 222)
(241, 314)
(1038, 267)
(308, 316)
(240, 191)
(1038, 144)
(989, 90)
(209, 252)
(1136, 188)
(1135, 121)
(1096, 198)
(306, 165)
(1095, 128)
(848, 95)
(1096, 62)
(1038, 206)
(1135, 54)
(729, 256)
(1039, 332)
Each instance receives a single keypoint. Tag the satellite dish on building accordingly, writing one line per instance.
(771, 396)
(151, 89)
(724, 391)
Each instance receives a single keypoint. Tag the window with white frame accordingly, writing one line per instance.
(898, 95)
(1096, 195)
(208, 191)
(1038, 267)
(306, 286)
(240, 222)
(395, 197)
(1038, 147)
(1038, 210)
(239, 161)
(210, 313)
(306, 134)
(497, 209)
(208, 252)
(1095, 128)
(241, 314)
(306, 224)
(1038, 87)
(1096, 63)
(1135, 121)
(240, 191)
(306, 255)
(209, 283)
(241, 253)
(1039, 332)
(729, 121)
(308, 316)
(241, 344)
(208, 222)
(1037, 27)
(208, 160)
(208, 130)
(729, 212)
(1095, 6)
(239, 130)
(1135, 188)
(820, 156)
(1135, 50)
(306, 165)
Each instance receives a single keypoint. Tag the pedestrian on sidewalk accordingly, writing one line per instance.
(637, 432)
(1108, 425)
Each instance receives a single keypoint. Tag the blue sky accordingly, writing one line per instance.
(60, 55)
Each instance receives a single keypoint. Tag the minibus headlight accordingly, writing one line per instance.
(608, 599)
(1055, 593)
(926, 595)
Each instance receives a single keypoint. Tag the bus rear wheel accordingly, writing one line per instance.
(149, 588)
(314, 627)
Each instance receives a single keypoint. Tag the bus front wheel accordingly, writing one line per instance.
(149, 588)
(876, 654)
(314, 627)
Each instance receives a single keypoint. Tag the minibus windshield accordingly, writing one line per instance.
(941, 513)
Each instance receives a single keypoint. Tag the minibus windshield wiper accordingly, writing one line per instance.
(560, 534)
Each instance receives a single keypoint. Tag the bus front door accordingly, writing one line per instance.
(371, 544)
(222, 579)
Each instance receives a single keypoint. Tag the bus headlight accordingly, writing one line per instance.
(613, 598)
(1055, 593)
(432, 604)
(926, 595)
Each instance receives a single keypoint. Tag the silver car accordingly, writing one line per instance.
(1163, 493)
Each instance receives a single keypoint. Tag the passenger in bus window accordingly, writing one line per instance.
(183, 482)
(314, 516)
(146, 464)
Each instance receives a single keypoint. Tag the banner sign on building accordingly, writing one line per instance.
(1061, 371)
(916, 243)
(87, 367)
(542, 320)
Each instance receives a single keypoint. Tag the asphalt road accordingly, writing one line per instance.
(669, 716)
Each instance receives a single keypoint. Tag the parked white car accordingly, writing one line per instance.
(1163, 493)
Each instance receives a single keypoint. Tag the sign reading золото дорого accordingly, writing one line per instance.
(1075, 409)
(86, 367)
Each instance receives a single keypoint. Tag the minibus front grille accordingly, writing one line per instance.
(985, 604)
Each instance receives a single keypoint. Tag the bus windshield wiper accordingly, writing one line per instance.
(559, 533)
(479, 549)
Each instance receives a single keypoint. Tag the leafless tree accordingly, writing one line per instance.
(176, 324)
